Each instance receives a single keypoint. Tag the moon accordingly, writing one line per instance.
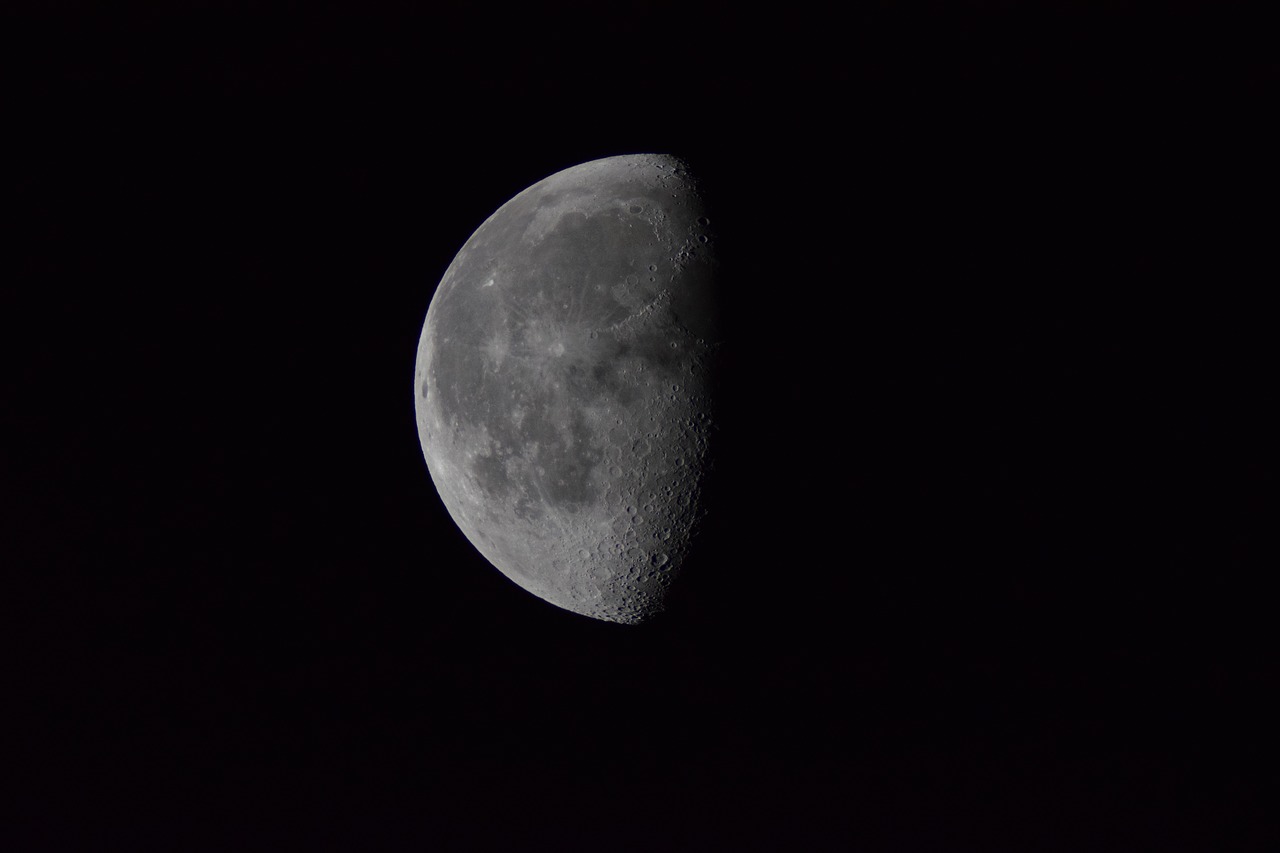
(565, 384)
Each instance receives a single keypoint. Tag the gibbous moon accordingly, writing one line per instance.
(563, 384)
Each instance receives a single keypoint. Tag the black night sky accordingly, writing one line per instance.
(995, 506)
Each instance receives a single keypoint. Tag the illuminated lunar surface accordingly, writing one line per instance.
(563, 384)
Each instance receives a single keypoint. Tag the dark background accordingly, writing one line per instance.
(996, 501)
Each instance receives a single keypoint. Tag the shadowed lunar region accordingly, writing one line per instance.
(564, 384)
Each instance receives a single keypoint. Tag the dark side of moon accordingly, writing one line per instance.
(564, 384)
